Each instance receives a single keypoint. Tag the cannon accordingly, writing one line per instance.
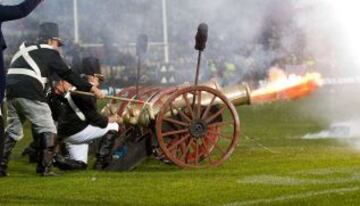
(191, 126)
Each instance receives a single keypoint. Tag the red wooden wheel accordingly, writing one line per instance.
(197, 127)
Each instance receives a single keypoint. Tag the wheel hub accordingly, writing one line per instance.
(198, 128)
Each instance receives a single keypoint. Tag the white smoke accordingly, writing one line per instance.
(345, 132)
(332, 38)
(339, 130)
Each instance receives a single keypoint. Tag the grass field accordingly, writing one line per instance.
(273, 165)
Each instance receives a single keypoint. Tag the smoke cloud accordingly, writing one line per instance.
(332, 36)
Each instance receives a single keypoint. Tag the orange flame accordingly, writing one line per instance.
(281, 86)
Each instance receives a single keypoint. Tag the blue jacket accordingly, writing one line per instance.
(8, 13)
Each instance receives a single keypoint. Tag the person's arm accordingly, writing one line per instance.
(87, 105)
(57, 65)
(8, 13)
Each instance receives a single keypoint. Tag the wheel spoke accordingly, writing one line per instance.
(217, 146)
(214, 133)
(172, 111)
(208, 107)
(196, 152)
(186, 150)
(181, 113)
(183, 147)
(188, 106)
(207, 151)
(168, 119)
(173, 146)
(173, 152)
(175, 132)
(220, 112)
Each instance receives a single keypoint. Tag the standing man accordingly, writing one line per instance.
(8, 13)
(27, 83)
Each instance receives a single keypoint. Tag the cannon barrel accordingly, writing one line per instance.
(238, 95)
(142, 114)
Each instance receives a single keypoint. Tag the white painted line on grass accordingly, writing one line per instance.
(329, 171)
(293, 197)
(290, 181)
(272, 180)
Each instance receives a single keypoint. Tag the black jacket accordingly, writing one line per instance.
(8, 13)
(49, 62)
(69, 123)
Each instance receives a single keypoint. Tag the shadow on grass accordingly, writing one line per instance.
(151, 165)
(151, 169)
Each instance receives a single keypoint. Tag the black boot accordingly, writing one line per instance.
(32, 151)
(103, 156)
(46, 154)
(68, 164)
(8, 146)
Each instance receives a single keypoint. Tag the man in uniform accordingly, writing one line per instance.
(27, 83)
(8, 13)
(80, 123)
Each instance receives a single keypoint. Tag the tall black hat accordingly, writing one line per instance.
(49, 30)
(91, 66)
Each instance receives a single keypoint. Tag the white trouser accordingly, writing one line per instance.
(78, 144)
(78, 152)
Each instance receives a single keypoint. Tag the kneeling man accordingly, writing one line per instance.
(80, 123)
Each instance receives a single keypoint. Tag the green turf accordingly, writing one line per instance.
(271, 166)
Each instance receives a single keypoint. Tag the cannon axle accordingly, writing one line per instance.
(198, 128)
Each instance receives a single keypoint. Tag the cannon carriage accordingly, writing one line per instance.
(191, 126)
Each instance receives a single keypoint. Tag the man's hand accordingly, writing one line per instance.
(115, 118)
(97, 92)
